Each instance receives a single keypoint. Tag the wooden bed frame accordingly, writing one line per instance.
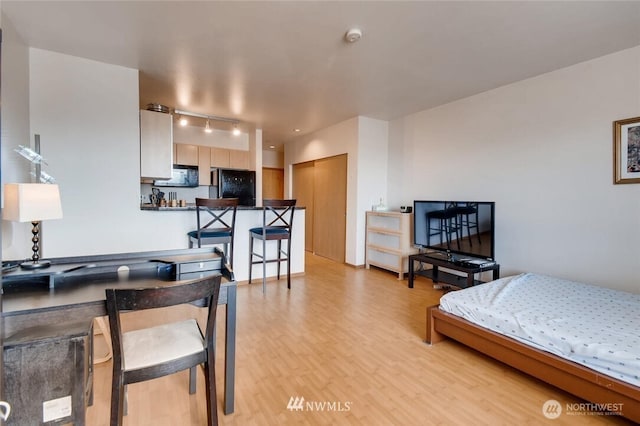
(576, 379)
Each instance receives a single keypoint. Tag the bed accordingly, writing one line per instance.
(581, 338)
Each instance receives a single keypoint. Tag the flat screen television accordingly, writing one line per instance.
(464, 228)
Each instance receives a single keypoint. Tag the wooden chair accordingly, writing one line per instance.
(277, 218)
(149, 353)
(215, 218)
(100, 328)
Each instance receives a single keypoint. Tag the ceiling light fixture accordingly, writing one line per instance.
(353, 35)
(296, 130)
(182, 120)
(208, 129)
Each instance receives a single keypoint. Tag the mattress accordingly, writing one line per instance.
(592, 326)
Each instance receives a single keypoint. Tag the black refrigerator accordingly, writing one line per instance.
(239, 184)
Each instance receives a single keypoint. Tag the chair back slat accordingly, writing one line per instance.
(161, 297)
(221, 210)
(281, 212)
(215, 219)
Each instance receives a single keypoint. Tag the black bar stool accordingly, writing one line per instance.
(215, 218)
(447, 224)
(277, 218)
(468, 218)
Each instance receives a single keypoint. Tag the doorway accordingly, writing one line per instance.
(321, 186)
(272, 183)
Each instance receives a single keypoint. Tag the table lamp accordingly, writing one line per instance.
(32, 202)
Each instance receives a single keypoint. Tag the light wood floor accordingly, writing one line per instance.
(353, 338)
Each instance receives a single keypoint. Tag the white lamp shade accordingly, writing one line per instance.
(31, 202)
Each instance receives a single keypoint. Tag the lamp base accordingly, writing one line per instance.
(31, 265)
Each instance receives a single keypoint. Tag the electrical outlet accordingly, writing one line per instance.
(56, 408)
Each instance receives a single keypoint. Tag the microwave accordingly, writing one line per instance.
(185, 176)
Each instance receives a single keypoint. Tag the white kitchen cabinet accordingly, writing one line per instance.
(389, 241)
(156, 145)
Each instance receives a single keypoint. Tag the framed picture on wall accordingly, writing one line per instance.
(626, 150)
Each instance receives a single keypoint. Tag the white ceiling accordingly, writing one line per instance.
(285, 65)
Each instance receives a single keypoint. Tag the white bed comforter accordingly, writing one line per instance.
(593, 326)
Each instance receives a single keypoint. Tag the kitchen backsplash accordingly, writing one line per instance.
(188, 194)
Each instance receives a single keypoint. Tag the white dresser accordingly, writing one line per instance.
(389, 240)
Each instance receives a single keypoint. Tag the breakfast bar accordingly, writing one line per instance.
(176, 222)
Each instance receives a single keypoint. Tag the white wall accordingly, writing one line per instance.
(255, 151)
(364, 140)
(273, 159)
(87, 115)
(371, 176)
(542, 150)
(15, 129)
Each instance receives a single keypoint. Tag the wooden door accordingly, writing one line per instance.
(330, 207)
(272, 183)
(303, 183)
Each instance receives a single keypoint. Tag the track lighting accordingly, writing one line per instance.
(207, 128)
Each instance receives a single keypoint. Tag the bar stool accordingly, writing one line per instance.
(468, 218)
(215, 218)
(277, 218)
(447, 224)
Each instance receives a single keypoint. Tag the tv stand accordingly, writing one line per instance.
(453, 262)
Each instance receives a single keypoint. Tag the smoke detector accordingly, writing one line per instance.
(353, 35)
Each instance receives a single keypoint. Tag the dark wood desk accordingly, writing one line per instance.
(72, 289)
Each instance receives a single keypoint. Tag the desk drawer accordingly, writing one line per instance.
(207, 265)
(195, 275)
